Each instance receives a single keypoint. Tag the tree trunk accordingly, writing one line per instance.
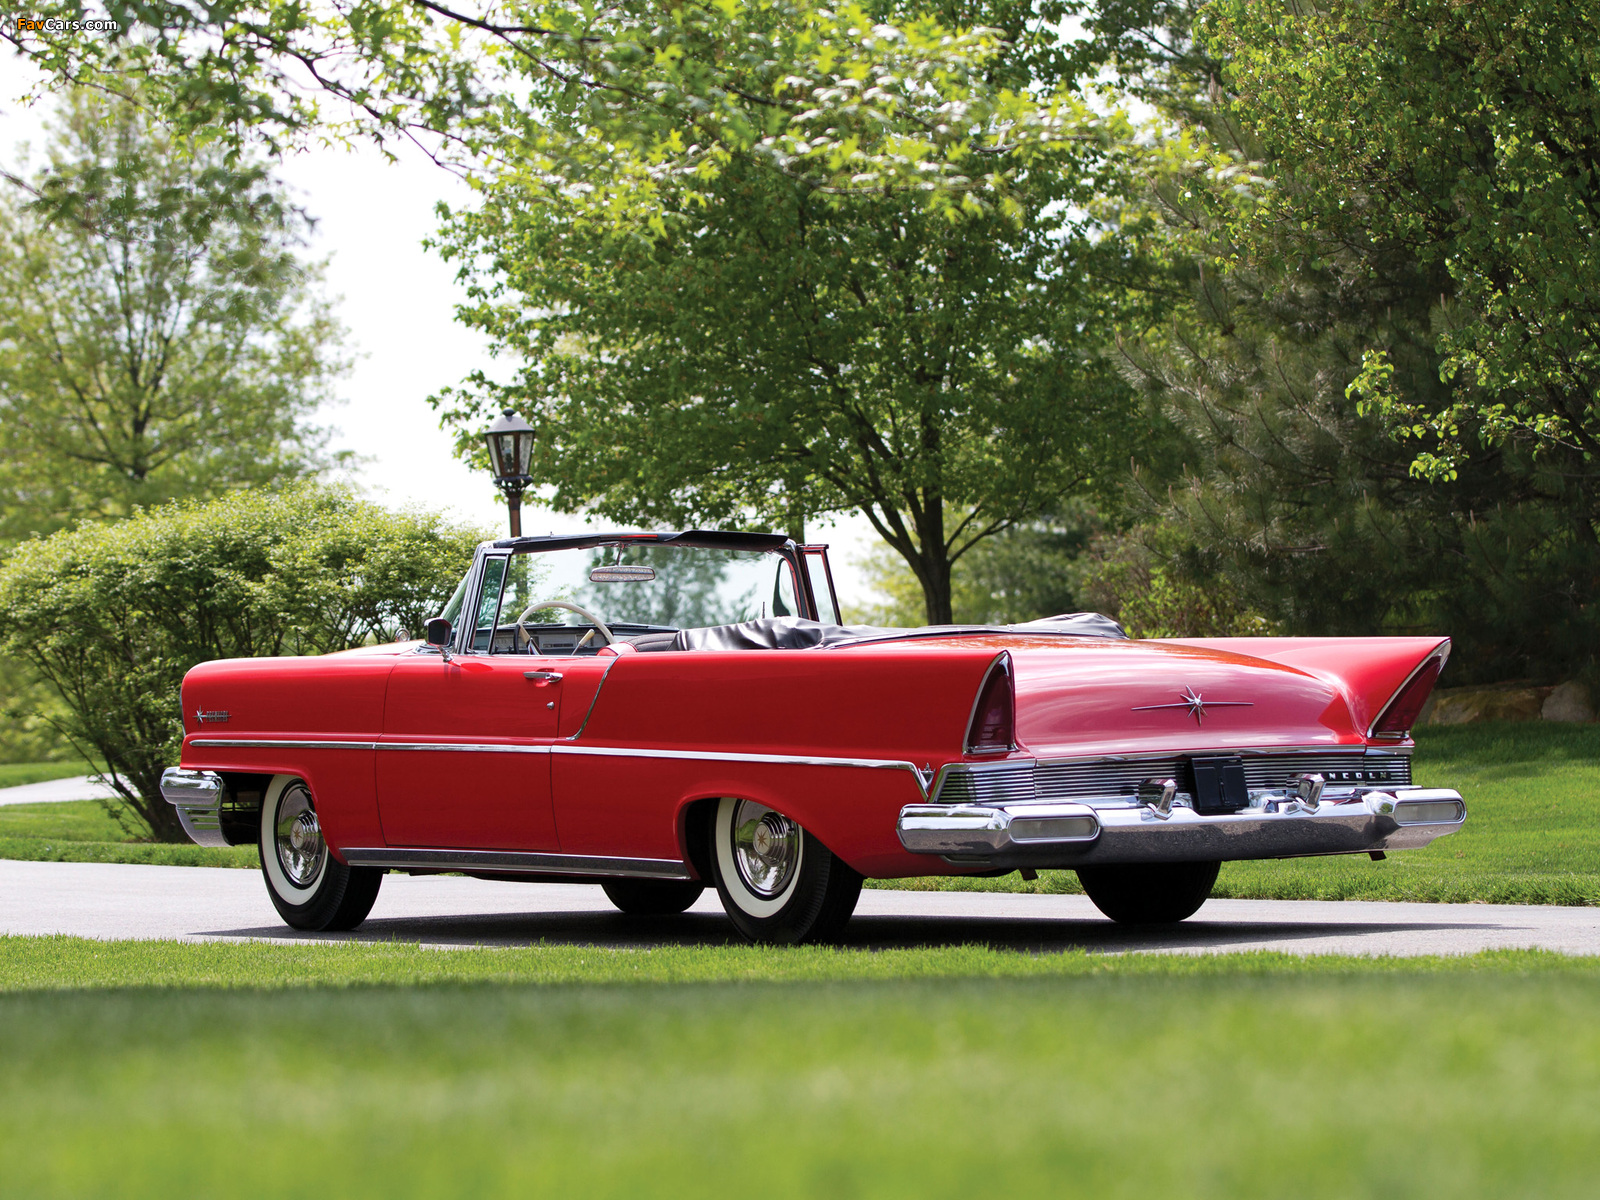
(933, 569)
(935, 579)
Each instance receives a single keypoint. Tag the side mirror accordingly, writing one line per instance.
(439, 631)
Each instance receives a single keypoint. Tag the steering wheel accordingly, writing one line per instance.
(599, 625)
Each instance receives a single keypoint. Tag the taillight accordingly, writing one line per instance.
(1400, 714)
(994, 717)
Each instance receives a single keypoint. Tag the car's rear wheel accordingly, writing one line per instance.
(777, 881)
(652, 897)
(1149, 893)
(309, 887)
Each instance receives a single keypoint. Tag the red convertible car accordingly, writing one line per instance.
(659, 713)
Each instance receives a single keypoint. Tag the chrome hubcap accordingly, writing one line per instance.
(301, 850)
(766, 848)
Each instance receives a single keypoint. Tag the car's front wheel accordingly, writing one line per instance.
(652, 897)
(777, 881)
(309, 887)
(1149, 893)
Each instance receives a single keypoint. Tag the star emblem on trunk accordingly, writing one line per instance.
(1196, 704)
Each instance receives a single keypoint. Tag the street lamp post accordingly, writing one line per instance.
(510, 441)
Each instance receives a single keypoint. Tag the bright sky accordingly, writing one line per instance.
(397, 300)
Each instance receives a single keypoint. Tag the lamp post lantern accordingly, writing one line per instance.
(510, 441)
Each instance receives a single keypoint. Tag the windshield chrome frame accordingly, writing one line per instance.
(462, 636)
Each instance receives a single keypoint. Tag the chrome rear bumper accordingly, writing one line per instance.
(1034, 834)
(197, 795)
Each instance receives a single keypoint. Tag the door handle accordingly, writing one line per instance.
(542, 676)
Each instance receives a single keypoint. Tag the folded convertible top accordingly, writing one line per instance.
(797, 633)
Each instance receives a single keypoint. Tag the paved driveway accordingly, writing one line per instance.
(194, 903)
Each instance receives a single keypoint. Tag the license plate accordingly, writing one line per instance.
(1217, 783)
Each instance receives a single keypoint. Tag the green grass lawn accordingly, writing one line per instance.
(84, 831)
(565, 1071)
(1532, 834)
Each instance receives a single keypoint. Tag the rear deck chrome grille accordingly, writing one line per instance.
(1012, 783)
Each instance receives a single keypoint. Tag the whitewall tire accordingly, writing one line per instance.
(308, 886)
(777, 882)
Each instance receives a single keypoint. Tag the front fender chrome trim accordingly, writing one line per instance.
(516, 862)
(291, 744)
(280, 744)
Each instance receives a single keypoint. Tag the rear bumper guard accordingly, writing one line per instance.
(1036, 834)
(197, 795)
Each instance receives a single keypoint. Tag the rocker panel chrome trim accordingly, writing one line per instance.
(516, 861)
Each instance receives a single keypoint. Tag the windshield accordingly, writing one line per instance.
(551, 602)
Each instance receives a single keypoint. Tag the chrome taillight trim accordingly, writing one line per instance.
(1000, 662)
(1440, 652)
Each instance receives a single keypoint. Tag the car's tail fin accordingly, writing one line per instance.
(1386, 680)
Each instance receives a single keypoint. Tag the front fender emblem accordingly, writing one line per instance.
(1196, 705)
(211, 716)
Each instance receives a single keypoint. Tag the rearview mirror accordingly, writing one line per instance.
(438, 631)
(621, 574)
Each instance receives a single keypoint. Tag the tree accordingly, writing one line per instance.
(112, 615)
(159, 336)
(629, 98)
(757, 347)
(1290, 495)
(1467, 135)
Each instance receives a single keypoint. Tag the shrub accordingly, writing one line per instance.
(1133, 578)
(111, 616)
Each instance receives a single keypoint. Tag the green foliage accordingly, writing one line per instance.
(1022, 574)
(159, 338)
(1289, 493)
(1131, 577)
(624, 101)
(1466, 135)
(112, 616)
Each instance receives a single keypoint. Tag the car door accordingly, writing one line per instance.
(464, 759)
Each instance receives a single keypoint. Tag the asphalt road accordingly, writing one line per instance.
(194, 903)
